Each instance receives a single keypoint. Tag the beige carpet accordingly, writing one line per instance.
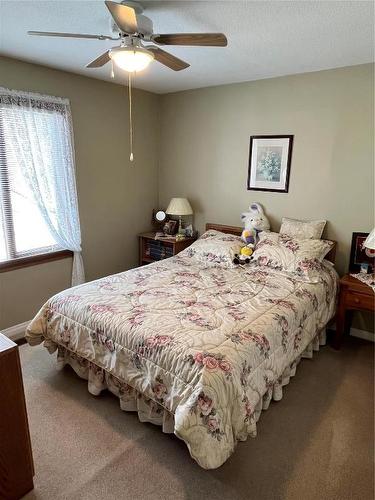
(317, 443)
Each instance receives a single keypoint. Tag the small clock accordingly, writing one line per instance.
(159, 218)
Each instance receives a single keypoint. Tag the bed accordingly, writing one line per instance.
(200, 350)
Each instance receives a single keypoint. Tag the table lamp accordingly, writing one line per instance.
(179, 207)
(369, 244)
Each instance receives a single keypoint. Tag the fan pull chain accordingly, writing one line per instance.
(130, 118)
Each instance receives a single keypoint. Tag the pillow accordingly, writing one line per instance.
(302, 257)
(312, 229)
(215, 248)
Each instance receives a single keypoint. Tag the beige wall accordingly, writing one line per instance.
(115, 198)
(205, 147)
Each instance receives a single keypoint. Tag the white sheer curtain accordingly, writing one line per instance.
(40, 128)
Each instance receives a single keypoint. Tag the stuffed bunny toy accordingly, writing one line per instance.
(254, 222)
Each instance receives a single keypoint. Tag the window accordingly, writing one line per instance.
(22, 229)
(23, 232)
(38, 198)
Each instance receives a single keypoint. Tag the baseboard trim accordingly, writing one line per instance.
(362, 334)
(16, 332)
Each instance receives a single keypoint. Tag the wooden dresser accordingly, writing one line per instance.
(16, 461)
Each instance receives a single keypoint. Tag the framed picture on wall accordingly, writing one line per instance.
(269, 162)
(360, 255)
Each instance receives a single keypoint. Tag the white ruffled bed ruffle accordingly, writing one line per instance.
(150, 411)
(276, 391)
(130, 399)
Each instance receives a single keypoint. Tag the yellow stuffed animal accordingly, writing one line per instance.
(246, 251)
(244, 256)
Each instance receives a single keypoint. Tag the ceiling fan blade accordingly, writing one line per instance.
(70, 35)
(123, 16)
(201, 39)
(168, 59)
(99, 61)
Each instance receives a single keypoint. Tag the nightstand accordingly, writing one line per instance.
(151, 250)
(354, 296)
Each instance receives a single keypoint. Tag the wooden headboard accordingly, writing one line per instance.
(331, 255)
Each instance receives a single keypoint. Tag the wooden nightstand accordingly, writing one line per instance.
(354, 296)
(151, 250)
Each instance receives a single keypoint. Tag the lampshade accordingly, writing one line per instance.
(179, 206)
(131, 58)
(370, 240)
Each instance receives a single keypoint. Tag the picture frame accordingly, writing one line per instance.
(270, 158)
(358, 255)
(170, 227)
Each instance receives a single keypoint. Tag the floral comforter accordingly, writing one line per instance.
(205, 343)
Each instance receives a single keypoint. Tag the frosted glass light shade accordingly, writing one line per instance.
(370, 241)
(131, 58)
(179, 206)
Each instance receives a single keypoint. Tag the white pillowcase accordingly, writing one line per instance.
(215, 248)
(302, 257)
(312, 229)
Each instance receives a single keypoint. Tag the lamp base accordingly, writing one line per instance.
(180, 230)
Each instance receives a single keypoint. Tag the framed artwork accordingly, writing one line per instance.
(269, 162)
(359, 255)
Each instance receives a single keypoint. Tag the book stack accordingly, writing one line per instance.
(157, 251)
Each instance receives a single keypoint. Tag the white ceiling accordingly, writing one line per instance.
(265, 38)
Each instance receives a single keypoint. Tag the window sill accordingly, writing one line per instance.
(33, 260)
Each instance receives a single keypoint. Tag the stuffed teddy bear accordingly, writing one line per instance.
(254, 222)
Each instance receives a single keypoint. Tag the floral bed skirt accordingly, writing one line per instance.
(147, 409)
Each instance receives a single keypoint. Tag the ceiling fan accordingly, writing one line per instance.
(132, 29)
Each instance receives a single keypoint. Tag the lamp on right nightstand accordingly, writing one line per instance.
(369, 244)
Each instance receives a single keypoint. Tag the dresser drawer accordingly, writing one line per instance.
(360, 300)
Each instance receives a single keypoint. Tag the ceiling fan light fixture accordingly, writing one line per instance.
(131, 59)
